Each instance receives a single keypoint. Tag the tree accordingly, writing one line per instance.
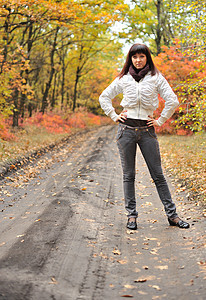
(151, 21)
(187, 77)
(48, 34)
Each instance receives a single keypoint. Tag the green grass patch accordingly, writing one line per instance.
(185, 157)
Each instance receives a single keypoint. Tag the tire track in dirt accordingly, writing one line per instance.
(67, 237)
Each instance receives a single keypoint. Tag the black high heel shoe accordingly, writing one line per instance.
(180, 223)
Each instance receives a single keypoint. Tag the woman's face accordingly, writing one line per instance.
(139, 60)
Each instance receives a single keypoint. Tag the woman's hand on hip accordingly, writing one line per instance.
(152, 122)
(122, 116)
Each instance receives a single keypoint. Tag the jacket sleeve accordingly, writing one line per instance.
(106, 97)
(171, 101)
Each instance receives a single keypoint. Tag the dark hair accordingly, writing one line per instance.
(138, 48)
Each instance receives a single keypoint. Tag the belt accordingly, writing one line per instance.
(134, 128)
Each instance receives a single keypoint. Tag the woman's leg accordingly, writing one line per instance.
(127, 149)
(149, 147)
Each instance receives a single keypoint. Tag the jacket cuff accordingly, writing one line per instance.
(113, 115)
(161, 120)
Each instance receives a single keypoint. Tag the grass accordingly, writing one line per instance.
(27, 140)
(42, 130)
(185, 157)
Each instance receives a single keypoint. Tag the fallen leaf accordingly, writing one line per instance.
(131, 239)
(156, 287)
(53, 279)
(182, 267)
(116, 252)
(161, 267)
(127, 296)
(128, 286)
(140, 280)
(2, 244)
(202, 263)
(122, 262)
(84, 189)
(150, 239)
(154, 252)
(142, 293)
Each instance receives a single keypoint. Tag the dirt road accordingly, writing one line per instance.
(63, 233)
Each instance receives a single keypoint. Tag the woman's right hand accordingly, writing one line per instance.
(122, 116)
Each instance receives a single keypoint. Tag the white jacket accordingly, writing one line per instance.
(140, 99)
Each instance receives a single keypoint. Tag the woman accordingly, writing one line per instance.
(140, 82)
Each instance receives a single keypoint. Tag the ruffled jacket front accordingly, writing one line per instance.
(142, 95)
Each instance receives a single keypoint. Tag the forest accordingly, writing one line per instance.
(57, 56)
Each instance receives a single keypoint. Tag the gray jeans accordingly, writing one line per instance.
(145, 137)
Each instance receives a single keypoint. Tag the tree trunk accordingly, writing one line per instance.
(75, 89)
(48, 84)
(6, 39)
(158, 33)
(62, 86)
(29, 47)
(54, 92)
(30, 110)
(16, 110)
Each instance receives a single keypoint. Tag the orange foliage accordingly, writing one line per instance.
(181, 70)
(177, 65)
(57, 123)
(5, 133)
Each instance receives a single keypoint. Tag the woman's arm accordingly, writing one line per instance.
(171, 101)
(106, 97)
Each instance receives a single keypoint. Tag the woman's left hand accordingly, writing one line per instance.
(152, 122)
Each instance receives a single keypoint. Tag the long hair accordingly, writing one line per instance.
(138, 48)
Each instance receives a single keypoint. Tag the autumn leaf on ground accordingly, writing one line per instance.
(202, 264)
(150, 239)
(89, 220)
(116, 252)
(128, 286)
(54, 281)
(127, 296)
(142, 293)
(140, 280)
(156, 287)
(161, 267)
(122, 262)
